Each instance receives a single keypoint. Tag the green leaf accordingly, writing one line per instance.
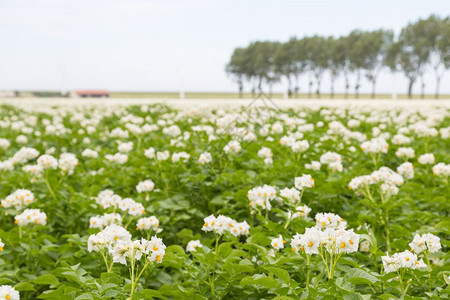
(24, 286)
(47, 279)
(259, 279)
(358, 276)
(148, 294)
(280, 273)
(85, 296)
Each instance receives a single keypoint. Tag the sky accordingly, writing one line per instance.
(168, 45)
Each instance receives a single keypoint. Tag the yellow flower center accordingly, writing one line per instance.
(155, 248)
(310, 244)
(342, 245)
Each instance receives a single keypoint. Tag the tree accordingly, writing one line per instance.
(319, 55)
(356, 56)
(261, 59)
(236, 68)
(444, 50)
(375, 46)
(413, 53)
(300, 62)
(316, 60)
(284, 62)
(338, 61)
(438, 39)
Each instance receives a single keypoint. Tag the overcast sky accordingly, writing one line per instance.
(158, 45)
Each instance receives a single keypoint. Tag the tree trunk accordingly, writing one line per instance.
(289, 91)
(410, 86)
(318, 89)
(310, 88)
(358, 78)
(422, 91)
(374, 83)
(260, 84)
(438, 83)
(297, 86)
(347, 85)
(332, 87)
(241, 89)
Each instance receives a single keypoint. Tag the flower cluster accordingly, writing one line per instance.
(335, 241)
(31, 216)
(305, 181)
(330, 220)
(405, 152)
(382, 176)
(154, 250)
(19, 199)
(333, 160)
(266, 153)
(222, 224)
(105, 220)
(107, 198)
(107, 238)
(425, 159)
(261, 196)
(150, 223)
(204, 158)
(232, 147)
(427, 242)
(375, 145)
(441, 170)
(145, 186)
(406, 169)
(404, 259)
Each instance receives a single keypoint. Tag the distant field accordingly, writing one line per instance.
(220, 95)
(208, 95)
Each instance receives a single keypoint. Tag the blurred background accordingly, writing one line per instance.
(225, 49)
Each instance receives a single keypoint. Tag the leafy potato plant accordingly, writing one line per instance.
(142, 202)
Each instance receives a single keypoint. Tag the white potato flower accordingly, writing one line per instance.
(428, 242)
(8, 293)
(89, 153)
(117, 158)
(204, 158)
(149, 223)
(314, 165)
(232, 147)
(31, 216)
(145, 186)
(19, 199)
(192, 245)
(278, 243)
(425, 159)
(305, 181)
(405, 152)
(441, 170)
(125, 147)
(406, 169)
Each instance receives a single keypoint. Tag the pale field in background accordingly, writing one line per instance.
(37, 103)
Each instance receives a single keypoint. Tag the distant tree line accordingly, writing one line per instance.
(420, 46)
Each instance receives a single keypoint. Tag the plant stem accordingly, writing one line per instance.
(308, 264)
(49, 187)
